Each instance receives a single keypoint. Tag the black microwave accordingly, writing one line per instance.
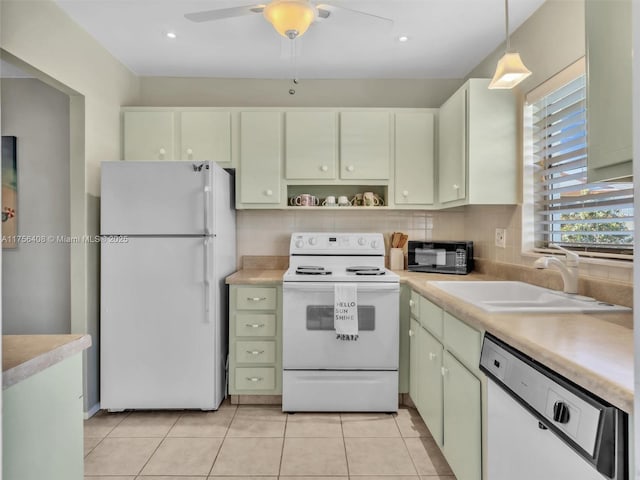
(440, 257)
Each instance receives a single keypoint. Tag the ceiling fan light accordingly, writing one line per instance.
(290, 18)
(510, 71)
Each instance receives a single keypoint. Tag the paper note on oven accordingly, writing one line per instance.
(345, 311)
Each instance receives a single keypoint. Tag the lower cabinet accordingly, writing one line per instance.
(255, 340)
(445, 386)
(462, 419)
(42, 424)
(414, 359)
(430, 385)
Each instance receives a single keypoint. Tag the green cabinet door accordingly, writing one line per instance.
(42, 424)
(205, 136)
(609, 91)
(414, 148)
(462, 420)
(452, 148)
(365, 145)
(149, 135)
(311, 145)
(414, 361)
(260, 157)
(430, 383)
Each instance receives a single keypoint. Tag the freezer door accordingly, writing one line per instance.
(157, 198)
(158, 325)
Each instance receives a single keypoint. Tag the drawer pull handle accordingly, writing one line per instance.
(444, 371)
(411, 333)
(255, 352)
(256, 299)
(254, 325)
(254, 379)
(412, 303)
(432, 356)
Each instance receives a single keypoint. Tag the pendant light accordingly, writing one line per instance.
(510, 70)
(290, 18)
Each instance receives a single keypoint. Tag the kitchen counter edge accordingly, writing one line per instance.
(599, 357)
(25, 355)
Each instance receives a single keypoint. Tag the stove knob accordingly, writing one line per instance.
(313, 240)
(362, 241)
(561, 412)
(374, 244)
(299, 243)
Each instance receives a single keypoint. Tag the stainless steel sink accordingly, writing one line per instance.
(513, 297)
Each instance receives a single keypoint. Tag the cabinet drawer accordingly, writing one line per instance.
(256, 298)
(255, 325)
(259, 378)
(256, 352)
(463, 340)
(414, 305)
(431, 317)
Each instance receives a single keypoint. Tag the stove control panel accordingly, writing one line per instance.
(321, 243)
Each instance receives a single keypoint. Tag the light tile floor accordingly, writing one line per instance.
(261, 443)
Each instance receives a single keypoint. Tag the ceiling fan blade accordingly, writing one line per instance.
(327, 7)
(222, 13)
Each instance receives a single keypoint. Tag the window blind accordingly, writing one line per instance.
(591, 217)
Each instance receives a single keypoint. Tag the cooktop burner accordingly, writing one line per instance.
(370, 272)
(312, 270)
(363, 269)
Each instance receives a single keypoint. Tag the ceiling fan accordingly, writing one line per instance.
(290, 18)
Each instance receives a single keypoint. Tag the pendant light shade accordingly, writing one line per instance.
(510, 70)
(290, 18)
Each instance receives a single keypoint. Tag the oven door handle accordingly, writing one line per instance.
(329, 286)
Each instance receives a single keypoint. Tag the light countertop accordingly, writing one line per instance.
(595, 351)
(26, 355)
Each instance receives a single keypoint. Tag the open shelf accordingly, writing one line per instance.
(349, 191)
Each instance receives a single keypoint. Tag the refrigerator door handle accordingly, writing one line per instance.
(207, 282)
(207, 210)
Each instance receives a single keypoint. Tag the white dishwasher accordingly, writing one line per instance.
(541, 426)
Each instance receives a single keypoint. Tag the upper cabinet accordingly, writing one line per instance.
(365, 147)
(452, 155)
(414, 158)
(311, 145)
(477, 160)
(260, 159)
(205, 135)
(172, 134)
(149, 135)
(609, 74)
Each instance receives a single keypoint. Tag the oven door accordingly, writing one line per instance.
(309, 338)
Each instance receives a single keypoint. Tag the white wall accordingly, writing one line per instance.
(36, 293)
(238, 92)
(57, 50)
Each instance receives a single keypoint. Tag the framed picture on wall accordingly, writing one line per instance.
(9, 192)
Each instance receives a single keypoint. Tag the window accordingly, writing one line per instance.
(589, 217)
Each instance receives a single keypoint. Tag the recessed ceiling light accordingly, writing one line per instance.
(171, 35)
(403, 38)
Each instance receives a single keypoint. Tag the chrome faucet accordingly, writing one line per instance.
(569, 272)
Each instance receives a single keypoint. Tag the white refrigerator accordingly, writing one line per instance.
(168, 240)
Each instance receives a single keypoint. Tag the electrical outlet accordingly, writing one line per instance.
(501, 238)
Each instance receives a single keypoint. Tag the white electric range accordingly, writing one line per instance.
(320, 371)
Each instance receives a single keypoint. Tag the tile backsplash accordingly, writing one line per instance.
(267, 232)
